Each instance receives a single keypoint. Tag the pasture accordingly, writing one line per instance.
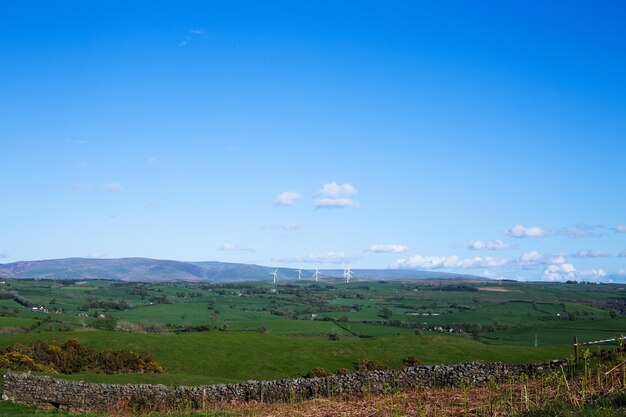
(226, 332)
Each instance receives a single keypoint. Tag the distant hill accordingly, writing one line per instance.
(145, 269)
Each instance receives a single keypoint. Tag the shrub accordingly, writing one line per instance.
(333, 336)
(20, 362)
(410, 361)
(317, 373)
(368, 365)
(70, 357)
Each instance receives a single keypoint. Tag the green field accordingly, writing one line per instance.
(209, 332)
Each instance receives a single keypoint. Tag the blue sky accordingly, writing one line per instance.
(480, 137)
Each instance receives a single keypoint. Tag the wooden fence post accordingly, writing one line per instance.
(576, 349)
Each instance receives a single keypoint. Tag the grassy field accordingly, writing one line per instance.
(215, 357)
(206, 332)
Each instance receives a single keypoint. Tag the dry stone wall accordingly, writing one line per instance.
(47, 392)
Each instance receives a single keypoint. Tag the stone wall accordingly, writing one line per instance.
(49, 392)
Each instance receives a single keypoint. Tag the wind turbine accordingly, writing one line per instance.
(347, 274)
(316, 275)
(299, 273)
(275, 275)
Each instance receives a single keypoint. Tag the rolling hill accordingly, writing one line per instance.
(145, 269)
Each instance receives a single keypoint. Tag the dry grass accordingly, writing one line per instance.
(493, 400)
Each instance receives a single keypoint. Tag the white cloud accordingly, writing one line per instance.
(335, 203)
(622, 254)
(335, 190)
(519, 231)
(580, 231)
(534, 257)
(591, 253)
(329, 257)
(335, 195)
(487, 245)
(620, 228)
(567, 271)
(594, 274)
(286, 198)
(197, 31)
(390, 248)
(489, 274)
(561, 272)
(450, 262)
(555, 259)
(233, 248)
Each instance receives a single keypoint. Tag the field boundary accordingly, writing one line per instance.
(78, 396)
(578, 344)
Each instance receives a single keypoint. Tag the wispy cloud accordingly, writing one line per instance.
(96, 255)
(286, 198)
(110, 186)
(622, 254)
(591, 253)
(580, 230)
(328, 257)
(487, 245)
(333, 195)
(520, 231)
(620, 228)
(335, 203)
(4, 255)
(448, 262)
(390, 248)
(191, 33)
(231, 247)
